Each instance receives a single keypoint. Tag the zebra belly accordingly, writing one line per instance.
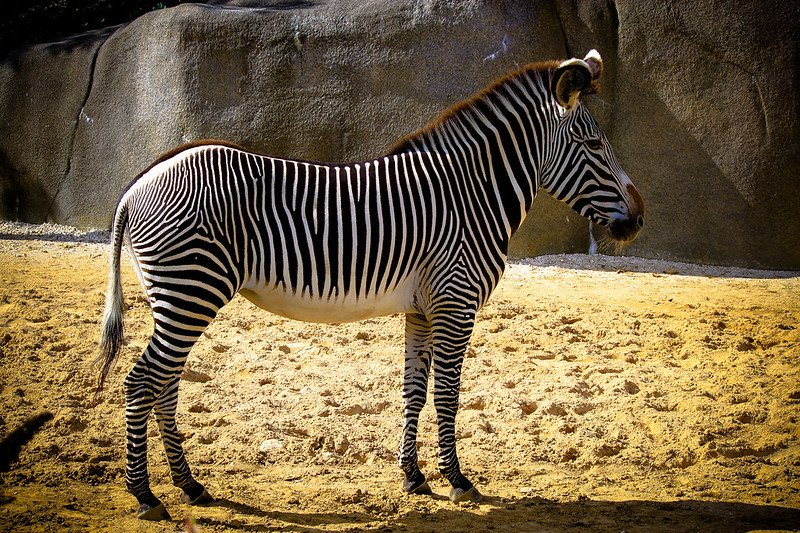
(334, 310)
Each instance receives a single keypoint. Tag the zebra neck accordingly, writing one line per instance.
(494, 158)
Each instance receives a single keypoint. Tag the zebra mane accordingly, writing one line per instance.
(406, 142)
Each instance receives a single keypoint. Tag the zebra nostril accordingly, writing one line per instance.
(625, 229)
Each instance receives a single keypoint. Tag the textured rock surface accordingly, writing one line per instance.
(701, 108)
(707, 118)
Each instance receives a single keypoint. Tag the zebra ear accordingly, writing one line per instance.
(570, 79)
(595, 63)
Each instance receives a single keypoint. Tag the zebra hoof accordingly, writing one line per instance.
(460, 495)
(159, 512)
(416, 484)
(422, 488)
(204, 498)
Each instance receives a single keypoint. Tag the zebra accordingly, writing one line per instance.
(423, 230)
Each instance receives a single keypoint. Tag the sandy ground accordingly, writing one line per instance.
(599, 394)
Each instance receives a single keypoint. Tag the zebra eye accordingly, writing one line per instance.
(594, 144)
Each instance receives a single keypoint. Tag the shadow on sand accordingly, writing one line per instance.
(613, 263)
(11, 445)
(529, 514)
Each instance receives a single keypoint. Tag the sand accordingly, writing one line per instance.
(599, 394)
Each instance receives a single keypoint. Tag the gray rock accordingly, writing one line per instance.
(707, 120)
(700, 103)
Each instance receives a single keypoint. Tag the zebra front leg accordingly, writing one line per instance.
(193, 492)
(450, 338)
(415, 390)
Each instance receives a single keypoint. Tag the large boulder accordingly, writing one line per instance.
(701, 106)
(333, 81)
(707, 117)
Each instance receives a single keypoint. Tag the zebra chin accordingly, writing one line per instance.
(625, 230)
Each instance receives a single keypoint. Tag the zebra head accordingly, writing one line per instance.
(583, 170)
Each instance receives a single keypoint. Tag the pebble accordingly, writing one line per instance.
(268, 445)
(198, 407)
(195, 376)
(528, 407)
(631, 387)
(746, 345)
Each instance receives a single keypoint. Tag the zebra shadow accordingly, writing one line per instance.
(538, 514)
(528, 514)
(11, 445)
(290, 521)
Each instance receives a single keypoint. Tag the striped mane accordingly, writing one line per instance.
(406, 142)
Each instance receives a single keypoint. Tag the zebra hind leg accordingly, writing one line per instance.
(415, 389)
(140, 398)
(193, 492)
(152, 385)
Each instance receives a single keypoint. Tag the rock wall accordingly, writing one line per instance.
(700, 105)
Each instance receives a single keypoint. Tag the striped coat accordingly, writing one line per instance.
(423, 230)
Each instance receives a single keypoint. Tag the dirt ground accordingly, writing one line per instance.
(599, 394)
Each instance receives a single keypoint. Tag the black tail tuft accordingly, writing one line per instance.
(110, 344)
(111, 334)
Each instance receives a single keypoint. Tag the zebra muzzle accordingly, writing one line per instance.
(626, 229)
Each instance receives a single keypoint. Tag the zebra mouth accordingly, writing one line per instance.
(625, 229)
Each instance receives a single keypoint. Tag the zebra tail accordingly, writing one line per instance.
(111, 329)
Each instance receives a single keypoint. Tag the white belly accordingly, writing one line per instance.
(334, 310)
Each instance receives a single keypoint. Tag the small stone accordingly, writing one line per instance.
(364, 336)
(195, 376)
(341, 445)
(631, 387)
(199, 408)
(528, 407)
(268, 445)
(746, 345)
(569, 455)
(556, 409)
(207, 437)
